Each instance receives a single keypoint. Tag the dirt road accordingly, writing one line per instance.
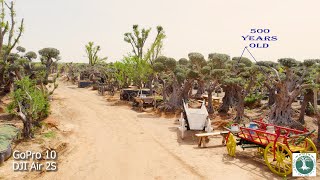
(115, 142)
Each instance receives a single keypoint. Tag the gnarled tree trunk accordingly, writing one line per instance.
(281, 111)
(201, 89)
(210, 107)
(272, 94)
(210, 89)
(308, 97)
(227, 100)
(27, 129)
(239, 95)
(178, 93)
(287, 91)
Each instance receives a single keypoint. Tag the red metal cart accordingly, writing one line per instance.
(277, 146)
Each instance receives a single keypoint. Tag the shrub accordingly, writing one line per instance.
(29, 103)
(253, 100)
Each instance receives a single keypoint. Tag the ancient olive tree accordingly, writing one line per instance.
(197, 62)
(172, 78)
(177, 78)
(238, 81)
(213, 73)
(289, 81)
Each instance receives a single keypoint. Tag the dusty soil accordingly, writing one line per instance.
(108, 141)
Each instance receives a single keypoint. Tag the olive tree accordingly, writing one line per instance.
(197, 62)
(213, 73)
(173, 77)
(289, 81)
(177, 78)
(240, 76)
(49, 56)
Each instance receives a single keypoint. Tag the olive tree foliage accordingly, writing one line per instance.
(31, 55)
(92, 54)
(21, 49)
(9, 37)
(198, 61)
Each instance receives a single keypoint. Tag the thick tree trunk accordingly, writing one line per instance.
(27, 123)
(164, 93)
(200, 90)
(308, 97)
(272, 95)
(315, 100)
(175, 99)
(240, 95)
(227, 99)
(210, 107)
(178, 93)
(318, 122)
(318, 130)
(187, 86)
(27, 129)
(281, 111)
(287, 91)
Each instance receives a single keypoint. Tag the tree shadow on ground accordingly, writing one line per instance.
(72, 87)
(189, 136)
(254, 164)
(146, 115)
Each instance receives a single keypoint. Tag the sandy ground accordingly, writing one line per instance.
(115, 142)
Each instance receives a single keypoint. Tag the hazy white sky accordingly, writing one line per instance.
(203, 26)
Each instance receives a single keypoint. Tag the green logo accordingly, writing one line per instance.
(304, 164)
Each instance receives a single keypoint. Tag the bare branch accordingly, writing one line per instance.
(20, 113)
(277, 73)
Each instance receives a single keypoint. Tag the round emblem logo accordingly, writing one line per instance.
(304, 164)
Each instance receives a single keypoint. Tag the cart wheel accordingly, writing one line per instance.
(307, 146)
(231, 145)
(278, 159)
